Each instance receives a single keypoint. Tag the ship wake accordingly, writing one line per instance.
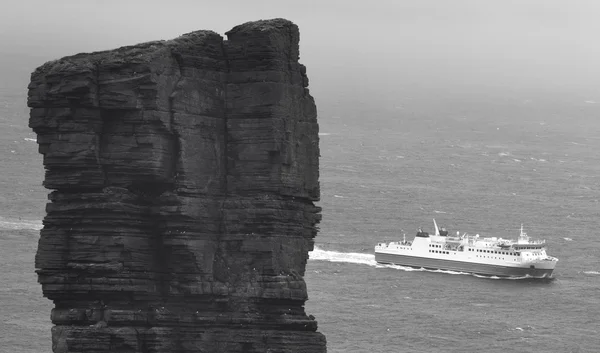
(347, 257)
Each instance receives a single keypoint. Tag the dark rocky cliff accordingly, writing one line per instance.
(183, 174)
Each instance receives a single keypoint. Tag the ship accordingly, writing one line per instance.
(491, 256)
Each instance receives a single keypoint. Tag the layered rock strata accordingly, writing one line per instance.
(184, 175)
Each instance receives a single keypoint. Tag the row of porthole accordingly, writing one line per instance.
(489, 257)
(496, 252)
(439, 251)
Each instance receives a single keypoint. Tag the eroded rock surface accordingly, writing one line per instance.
(183, 174)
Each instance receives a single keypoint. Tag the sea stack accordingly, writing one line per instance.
(183, 176)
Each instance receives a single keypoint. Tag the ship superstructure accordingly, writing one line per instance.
(523, 257)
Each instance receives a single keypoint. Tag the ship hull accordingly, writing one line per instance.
(537, 270)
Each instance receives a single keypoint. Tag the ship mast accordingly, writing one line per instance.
(523, 238)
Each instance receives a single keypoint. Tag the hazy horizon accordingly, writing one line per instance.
(378, 46)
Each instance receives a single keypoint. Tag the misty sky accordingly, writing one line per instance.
(526, 44)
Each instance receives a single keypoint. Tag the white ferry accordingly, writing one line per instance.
(471, 254)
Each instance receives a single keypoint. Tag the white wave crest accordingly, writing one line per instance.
(16, 224)
(591, 272)
(28, 139)
(525, 328)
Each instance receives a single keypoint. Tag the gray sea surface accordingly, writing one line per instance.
(478, 162)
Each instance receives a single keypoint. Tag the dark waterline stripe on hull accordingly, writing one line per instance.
(460, 266)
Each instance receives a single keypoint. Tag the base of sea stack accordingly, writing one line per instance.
(535, 271)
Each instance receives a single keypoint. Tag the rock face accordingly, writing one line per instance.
(183, 174)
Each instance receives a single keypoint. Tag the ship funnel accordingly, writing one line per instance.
(437, 230)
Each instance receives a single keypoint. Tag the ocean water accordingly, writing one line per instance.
(477, 162)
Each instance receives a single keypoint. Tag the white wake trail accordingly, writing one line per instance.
(348, 257)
